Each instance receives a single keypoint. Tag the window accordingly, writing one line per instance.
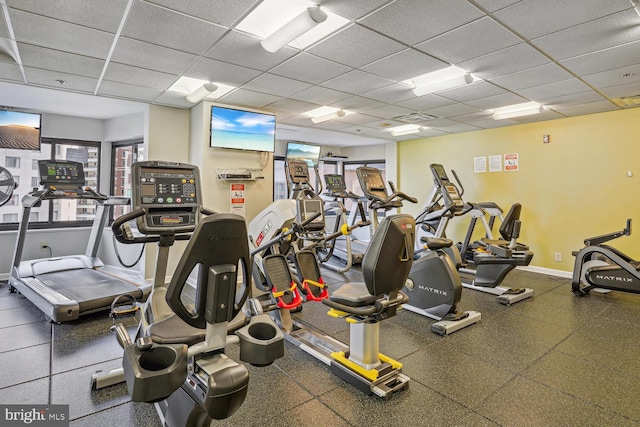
(56, 213)
(279, 179)
(12, 162)
(123, 155)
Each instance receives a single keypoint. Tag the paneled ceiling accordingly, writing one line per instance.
(574, 56)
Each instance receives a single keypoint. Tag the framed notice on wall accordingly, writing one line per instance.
(511, 162)
(237, 196)
(495, 163)
(480, 164)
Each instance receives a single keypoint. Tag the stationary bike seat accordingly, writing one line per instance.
(435, 243)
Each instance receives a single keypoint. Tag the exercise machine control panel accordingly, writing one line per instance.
(61, 173)
(449, 191)
(170, 195)
(298, 171)
(372, 183)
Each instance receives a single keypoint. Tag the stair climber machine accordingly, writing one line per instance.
(433, 286)
(347, 248)
(603, 268)
(485, 267)
(66, 287)
(177, 359)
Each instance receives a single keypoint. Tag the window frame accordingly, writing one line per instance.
(136, 144)
(51, 223)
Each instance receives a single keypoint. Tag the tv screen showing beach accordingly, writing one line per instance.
(19, 131)
(242, 130)
(306, 152)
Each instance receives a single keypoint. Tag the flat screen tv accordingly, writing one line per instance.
(308, 153)
(19, 130)
(242, 130)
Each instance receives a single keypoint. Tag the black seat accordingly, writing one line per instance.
(507, 227)
(385, 268)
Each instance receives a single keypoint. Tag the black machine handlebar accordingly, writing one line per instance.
(598, 240)
(119, 233)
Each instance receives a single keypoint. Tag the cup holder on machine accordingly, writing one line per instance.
(153, 372)
(261, 341)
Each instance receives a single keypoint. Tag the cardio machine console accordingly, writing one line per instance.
(449, 190)
(298, 171)
(372, 183)
(61, 174)
(170, 195)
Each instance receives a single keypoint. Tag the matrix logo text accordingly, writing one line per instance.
(34, 415)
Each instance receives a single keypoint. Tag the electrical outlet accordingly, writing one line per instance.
(558, 256)
(44, 245)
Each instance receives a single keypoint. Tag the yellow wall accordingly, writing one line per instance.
(572, 188)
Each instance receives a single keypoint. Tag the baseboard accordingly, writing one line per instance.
(549, 271)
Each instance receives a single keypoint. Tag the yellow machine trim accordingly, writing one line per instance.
(394, 363)
(314, 283)
(345, 229)
(370, 374)
(281, 293)
(336, 313)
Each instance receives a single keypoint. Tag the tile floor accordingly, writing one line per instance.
(553, 360)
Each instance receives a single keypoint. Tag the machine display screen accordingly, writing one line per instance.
(335, 182)
(61, 172)
(373, 180)
(439, 171)
(167, 186)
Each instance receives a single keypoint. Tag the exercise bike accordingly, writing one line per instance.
(599, 266)
(433, 285)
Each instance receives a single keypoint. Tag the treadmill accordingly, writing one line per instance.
(337, 189)
(67, 287)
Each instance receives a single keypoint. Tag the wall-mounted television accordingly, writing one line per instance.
(19, 130)
(308, 153)
(242, 130)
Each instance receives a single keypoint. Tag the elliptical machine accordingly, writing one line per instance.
(598, 266)
(433, 286)
(178, 358)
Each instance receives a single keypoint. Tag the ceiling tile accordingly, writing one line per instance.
(621, 91)
(493, 5)
(125, 91)
(453, 111)
(309, 68)
(496, 101)
(139, 76)
(49, 79)
(320, 95)
(474, 39)
(489, 123)
(221, 72)
(614, 77)
(405, 65)
(224, 13)
(391, 94)
(571, 99)
(173, 99)
(356, 46)
(531, 77)
(4, 32)
(333, 125)
(10, 72)
(381, 124)
(534, 18)
(389, 111)
(425, 102)
(452, 127)
(609, 59)
(356, 82)
(292, 106)
(359, 119)
(145, 55)
(353, 9)
(589, 108)
(421, 20)
(610, 31)
(357, 103)
(473, 117)
(506, 61)
(142, 24)
(275, 85)
(249, 98)
(242, 49)
(39, 30)
(56, 60)
(551, 90)
(359, 130)
(545, 115)
(81, 12)
(471, 91)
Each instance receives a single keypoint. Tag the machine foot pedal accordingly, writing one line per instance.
(447, 327)
(509, 298)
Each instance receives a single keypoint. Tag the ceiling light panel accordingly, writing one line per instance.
(188, 85)
(271, 15)
(516, 110)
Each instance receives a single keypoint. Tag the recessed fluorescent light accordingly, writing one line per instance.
(636, 6)
(189, 86)
(446, 78)
(516, 110)
(324, 113)
(406, 130)
(271, 15)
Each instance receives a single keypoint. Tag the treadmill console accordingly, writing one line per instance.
(449, 190)
(372, 183)
(62, 174)
(335, 183)
(169, 193)
(298, 171)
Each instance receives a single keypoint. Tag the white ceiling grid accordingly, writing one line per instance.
(573, 56)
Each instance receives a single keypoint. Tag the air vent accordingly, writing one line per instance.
(415, 117)
(627, 101)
